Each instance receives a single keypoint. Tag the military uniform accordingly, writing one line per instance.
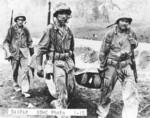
(59, 46)
(17, 43)
(115, 55)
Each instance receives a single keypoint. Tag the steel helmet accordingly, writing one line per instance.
(121, 17)
(18, 16)
(61, 7)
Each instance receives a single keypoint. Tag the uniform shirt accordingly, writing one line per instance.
(55, 39)
(18, 40)
(115, 44)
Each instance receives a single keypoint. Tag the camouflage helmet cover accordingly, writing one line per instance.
(61, 7)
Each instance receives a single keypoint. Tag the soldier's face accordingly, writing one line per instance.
(20, 22)
(62, 18)
(123, 24)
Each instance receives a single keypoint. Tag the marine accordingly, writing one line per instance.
(57, 43)
(17, 44)
(115, 59)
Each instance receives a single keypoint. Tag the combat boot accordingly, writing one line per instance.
(16, 87)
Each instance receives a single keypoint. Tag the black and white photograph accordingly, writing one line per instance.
(74, 59)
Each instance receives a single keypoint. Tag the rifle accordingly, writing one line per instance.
(48, 20)
(5, 45)
(11, 20)
(49, 13)
(133, 66)
(41, 74)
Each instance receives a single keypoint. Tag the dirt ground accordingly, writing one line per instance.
(84, 97)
